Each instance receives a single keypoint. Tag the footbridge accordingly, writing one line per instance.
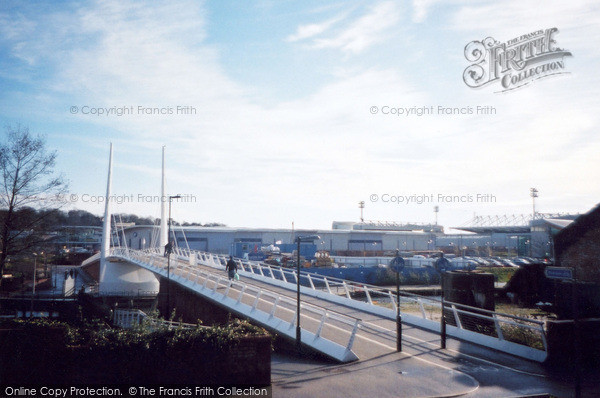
(340, 319)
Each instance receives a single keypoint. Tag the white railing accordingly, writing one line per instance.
(517, 335)
(271, 309)
(129, 318)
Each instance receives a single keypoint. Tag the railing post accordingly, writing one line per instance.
(327, 285)
(347, 291)
(367, 294)
(318, 334)
(393, 301)
(543, 334)
(228, 287)
(283, 275)
(293, 321)
(217, 284)
(241, 294)
(312, 285)
(256, 300)
(353, 335)
(422, 308)
(456, 317)
(498, 329)
(274, 307)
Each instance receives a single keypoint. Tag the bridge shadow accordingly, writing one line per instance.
(388, 371)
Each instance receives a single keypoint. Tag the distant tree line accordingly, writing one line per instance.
(51, 219)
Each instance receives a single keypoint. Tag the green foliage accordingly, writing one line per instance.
(66, 333)
(150, 337)
(95, 351)
(524, 336)
(144, 336)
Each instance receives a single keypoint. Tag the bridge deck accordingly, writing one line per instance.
(375, 337)
(463, 367)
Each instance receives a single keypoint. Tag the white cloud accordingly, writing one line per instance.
(356, 36)
(261, 165)
(421, 9)
(307, 31)
(577, 20)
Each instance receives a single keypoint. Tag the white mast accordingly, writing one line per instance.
(164, 239)
(105, 250)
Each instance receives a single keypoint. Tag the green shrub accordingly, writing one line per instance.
(47, 350)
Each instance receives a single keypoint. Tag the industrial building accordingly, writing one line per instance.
(518, 235)
(228, 240)
(513, 235)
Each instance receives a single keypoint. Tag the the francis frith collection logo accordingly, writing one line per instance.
(515, 63)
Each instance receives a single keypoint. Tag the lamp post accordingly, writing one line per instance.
(169, 257)
(443, 320)
(534, 193)
(298, 240)
(33, 286)
(398, 263)
(361, 206)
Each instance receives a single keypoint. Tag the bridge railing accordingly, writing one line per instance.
(509, 328)
(323, 324)
(505, 327)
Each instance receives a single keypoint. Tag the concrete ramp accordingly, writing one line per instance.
(329, 333)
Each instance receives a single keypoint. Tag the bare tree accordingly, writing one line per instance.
(27, 181)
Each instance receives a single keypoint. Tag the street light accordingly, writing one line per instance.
(534, 193)
(398, 263)
(299, 239)
(361, 206)
(33, 287)
(169, 257)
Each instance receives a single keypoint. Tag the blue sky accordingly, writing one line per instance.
(283, 90)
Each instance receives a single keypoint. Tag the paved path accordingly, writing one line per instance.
(421, 370)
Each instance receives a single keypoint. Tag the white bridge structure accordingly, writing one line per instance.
(333, 312)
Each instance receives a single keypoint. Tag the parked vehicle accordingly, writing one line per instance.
(509, 263)
(520, 261)
(494, 262)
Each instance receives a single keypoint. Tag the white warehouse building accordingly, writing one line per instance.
(225, 240)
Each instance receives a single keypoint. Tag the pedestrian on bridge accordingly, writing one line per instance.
(231, 268)
(168, 248)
